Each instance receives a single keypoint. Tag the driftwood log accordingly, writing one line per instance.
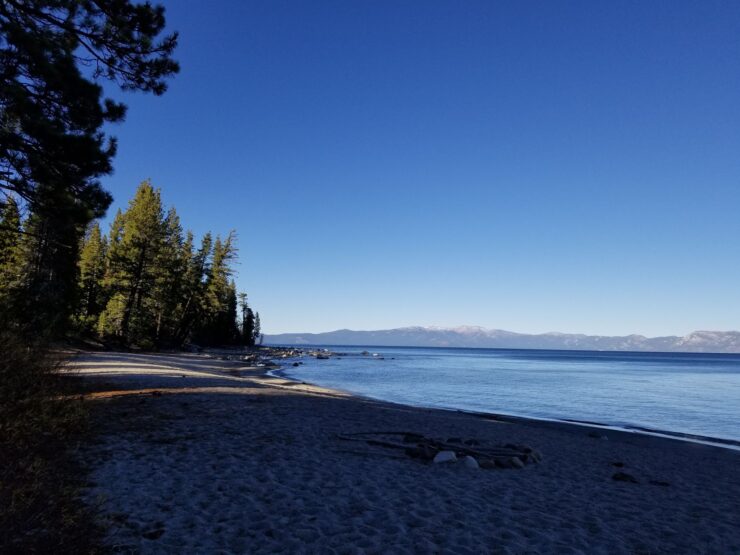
(420, 447)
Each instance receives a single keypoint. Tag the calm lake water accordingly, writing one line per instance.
(675, 392)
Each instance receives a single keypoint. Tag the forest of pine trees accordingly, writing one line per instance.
(144, 283)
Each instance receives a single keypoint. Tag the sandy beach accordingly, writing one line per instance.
(192, 454)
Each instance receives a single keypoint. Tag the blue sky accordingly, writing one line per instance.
(531, 166)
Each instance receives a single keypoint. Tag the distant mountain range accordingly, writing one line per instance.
(473, 336)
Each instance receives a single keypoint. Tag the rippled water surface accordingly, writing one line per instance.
(677, 392)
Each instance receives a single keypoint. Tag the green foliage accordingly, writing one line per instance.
(257, 334)
(218, 304)
(143, 285)
(158, 290)
(132, 266)
(168, 286)
(10, 252)
(43, 294)
(250, 323)
(191, 307)
(92, 269)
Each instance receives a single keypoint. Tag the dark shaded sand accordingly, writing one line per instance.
(198, 455)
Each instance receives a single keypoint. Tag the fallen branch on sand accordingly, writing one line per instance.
(364, 452)
(417, 446)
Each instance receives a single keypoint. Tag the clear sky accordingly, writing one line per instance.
(534, 166)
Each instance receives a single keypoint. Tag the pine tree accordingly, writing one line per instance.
(217, 326)
(228, 329)
(92, 270)
(10, 254)
(249, 328)
(257, 329)
(243, 306)
(46, 294)
(171, 267)
(132, 268)
(192, 305)
(109, 321)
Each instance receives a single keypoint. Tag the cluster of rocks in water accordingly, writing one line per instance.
(470, 452)
(257, 356)
(274, 356)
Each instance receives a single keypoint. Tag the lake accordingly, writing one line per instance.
(678, 393)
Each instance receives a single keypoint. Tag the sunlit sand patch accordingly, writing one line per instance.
(168, 391)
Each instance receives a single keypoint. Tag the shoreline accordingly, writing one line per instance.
(723, 443)
(201, 454)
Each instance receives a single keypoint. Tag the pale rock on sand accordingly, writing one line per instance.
(470, 462)
(445, 457)
(228, 460)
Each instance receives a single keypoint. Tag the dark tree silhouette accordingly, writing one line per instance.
(52, 109)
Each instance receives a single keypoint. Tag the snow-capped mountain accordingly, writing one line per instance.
(474, 336)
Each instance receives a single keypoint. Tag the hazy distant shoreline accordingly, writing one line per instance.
(470, 337)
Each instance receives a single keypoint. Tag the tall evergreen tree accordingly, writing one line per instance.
(257, 329)
(168, 288)
(10, 261)
(217, 325)
(132, 268)
(243, 306)
(92, 271)
(249, 328)
(10, 239)
(192, 305)
(229, 332)
(46, 295)
(109, 321)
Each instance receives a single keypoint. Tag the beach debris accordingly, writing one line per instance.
(516, 462)
(426, 449)
(470, 462)
(412, 438)
(444, 457)
(624, 477)
(153, 534)
(423, 452)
